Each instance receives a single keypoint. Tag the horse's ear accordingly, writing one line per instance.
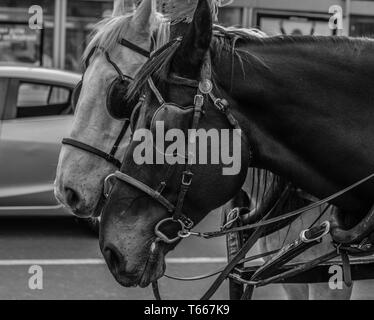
(195, 44)
(144, 14)
(122, 7)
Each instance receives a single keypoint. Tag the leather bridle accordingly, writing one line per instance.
(204, 89)
(109, 157)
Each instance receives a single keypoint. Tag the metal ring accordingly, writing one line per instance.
(165, 238)
(304, 239)
(235, 213)
(184, 234)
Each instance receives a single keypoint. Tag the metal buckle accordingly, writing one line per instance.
(107, 187)
(187, 178)
(221, 104)
(187, 222)
(304, 239)
(198, 100)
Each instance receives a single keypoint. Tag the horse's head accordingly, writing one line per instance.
(169, 170)
(115, 54)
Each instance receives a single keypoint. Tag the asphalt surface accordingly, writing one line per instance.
(73, 268)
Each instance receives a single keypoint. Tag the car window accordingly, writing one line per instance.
(59, 95)
(30, 94)
(35, 100)
(3, 94)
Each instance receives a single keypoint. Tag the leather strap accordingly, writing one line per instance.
(299, 269)
(347, 276)
(156, 290)
(290, 251)
(295, 213)
(85, 147)
(244, 250)
(119, 139)
(187, 174)
(114, 65)
(135, 48)
(146, 189)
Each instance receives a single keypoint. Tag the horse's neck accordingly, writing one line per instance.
(306, 106)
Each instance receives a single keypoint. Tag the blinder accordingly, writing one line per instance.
(115, 98)
(173, 116)
(116, 93)
(117, 105)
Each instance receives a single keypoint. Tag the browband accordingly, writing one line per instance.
(135, 48)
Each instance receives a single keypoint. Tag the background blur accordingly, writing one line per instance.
(67, 23)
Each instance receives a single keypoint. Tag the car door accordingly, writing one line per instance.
(37, 115)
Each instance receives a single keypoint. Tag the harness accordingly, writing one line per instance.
(204, 90)
(121, 80)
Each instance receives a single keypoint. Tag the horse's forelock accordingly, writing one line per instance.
(108, 31)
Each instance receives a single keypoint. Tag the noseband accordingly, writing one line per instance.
(204, 90)
(109, 157)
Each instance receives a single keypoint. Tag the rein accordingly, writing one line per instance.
(220, 233)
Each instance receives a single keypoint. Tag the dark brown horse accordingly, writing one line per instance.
(305, 107)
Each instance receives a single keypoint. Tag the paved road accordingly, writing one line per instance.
(73, 268)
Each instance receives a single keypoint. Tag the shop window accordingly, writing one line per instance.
(362, 26)
(81, 18)
(230, 16)
(19, 43)
(293, 25)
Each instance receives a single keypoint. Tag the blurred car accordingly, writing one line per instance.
(35, 114)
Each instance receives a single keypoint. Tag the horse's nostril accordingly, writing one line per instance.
(71, 197)
(113, 258)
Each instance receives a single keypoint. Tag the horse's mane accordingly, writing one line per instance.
(158, 65)
(109, 31)
(227, 39)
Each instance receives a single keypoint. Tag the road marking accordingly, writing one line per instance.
(50, 262)
(67, 262)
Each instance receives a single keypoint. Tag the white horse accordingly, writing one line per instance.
(80, 174)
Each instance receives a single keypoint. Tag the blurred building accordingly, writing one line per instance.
(67, 24)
